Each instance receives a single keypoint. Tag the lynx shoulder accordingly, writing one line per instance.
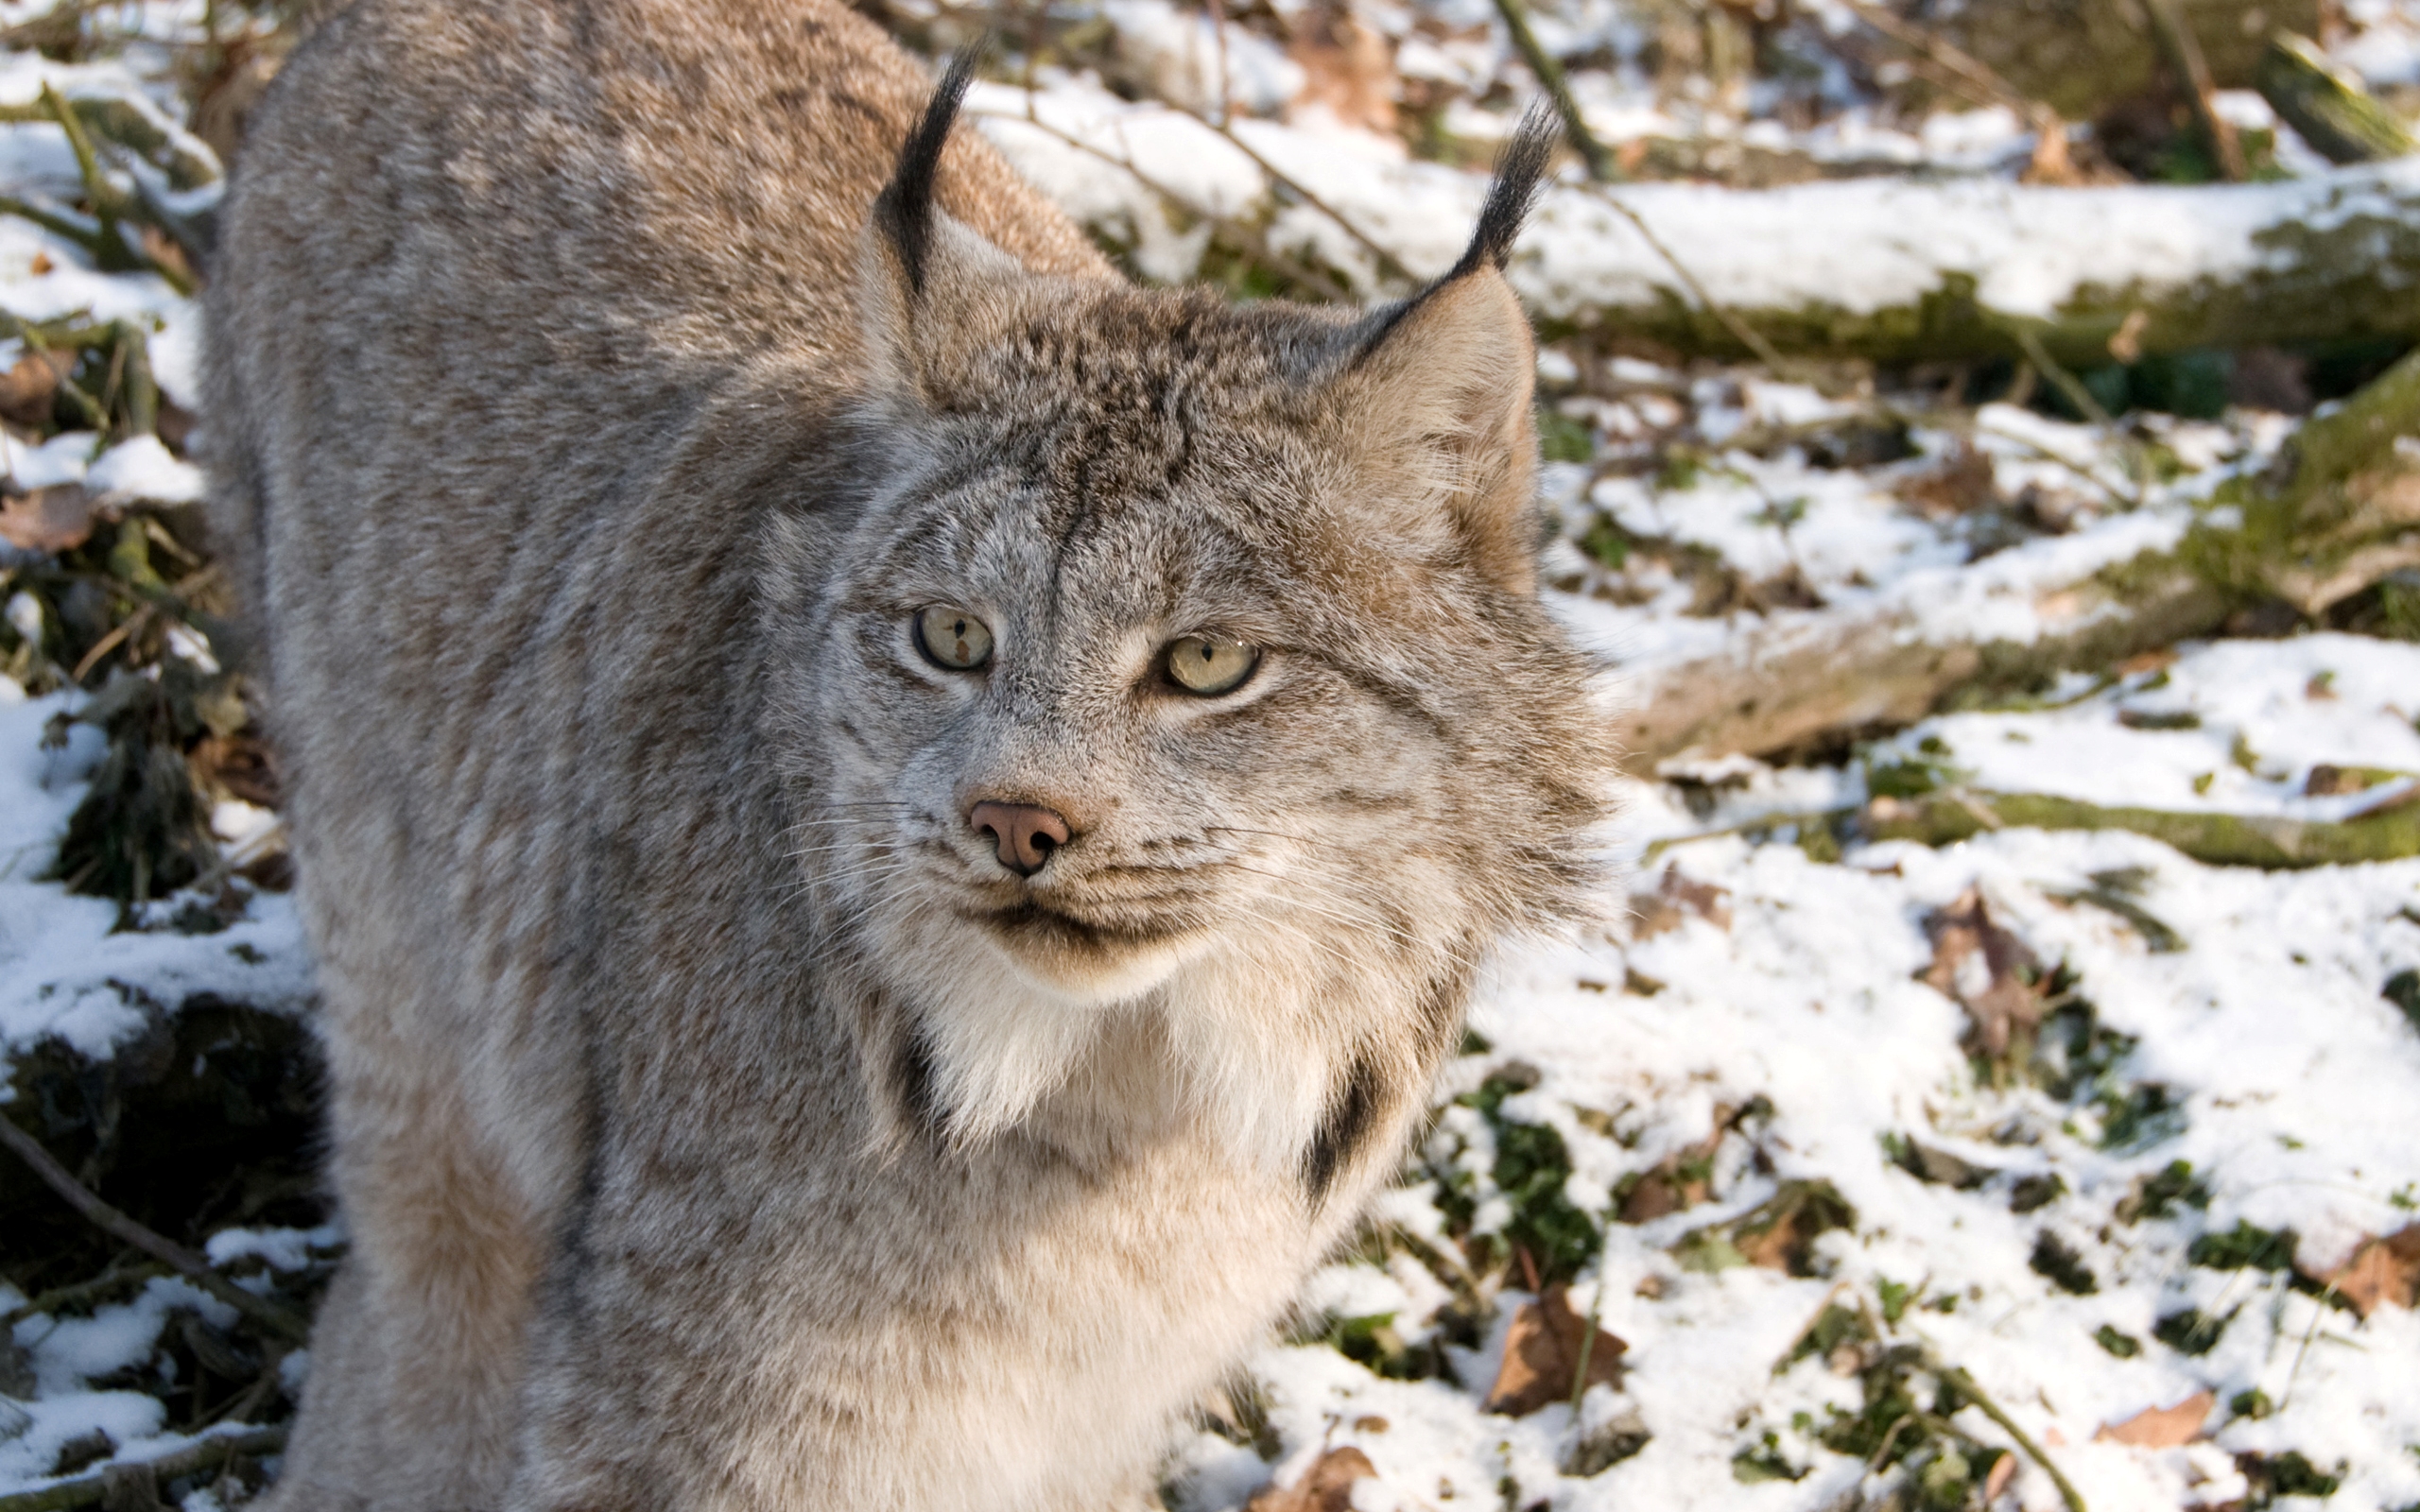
(895, 827)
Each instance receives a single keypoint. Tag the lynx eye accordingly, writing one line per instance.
(1208, 665)
(952, 638)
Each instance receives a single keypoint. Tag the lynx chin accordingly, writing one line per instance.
(895, 827)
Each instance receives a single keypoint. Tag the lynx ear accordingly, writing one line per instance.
(1439, 387)
(925, 278)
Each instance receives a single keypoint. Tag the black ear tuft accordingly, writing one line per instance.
(903, 211)
(1519, 170)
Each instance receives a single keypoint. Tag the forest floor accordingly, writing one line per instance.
(1946, 1116)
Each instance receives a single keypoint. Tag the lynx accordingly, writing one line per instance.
(895, 827)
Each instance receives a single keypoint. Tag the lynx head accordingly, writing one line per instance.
(1182, 660)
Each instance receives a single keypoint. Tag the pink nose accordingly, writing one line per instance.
(1024, 835)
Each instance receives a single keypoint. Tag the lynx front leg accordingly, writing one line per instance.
(416, 1358)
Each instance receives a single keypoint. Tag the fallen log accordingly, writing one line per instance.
(2335, 114)
(2219, 839)
(2079, 56)
(1890, 268)
(2339, 511)
(1801, 675)
(1903, 270)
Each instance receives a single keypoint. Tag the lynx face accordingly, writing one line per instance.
(1159, 670)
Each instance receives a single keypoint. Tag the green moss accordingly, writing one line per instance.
(1608, 542)
(2288, 1474)
(2219, 839)
(2057, 1262)
(2403, 990)
(1763, 1460)
(2159, 1194)
(1530, 1171)
(2244, 1247)
(2190, 1330)
(2123, 1346)
(1561, 438)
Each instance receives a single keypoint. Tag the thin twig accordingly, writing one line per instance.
(111, 252)
(1741, 331)
(91, 1489)
(1964, 1385)
(1588, 1343)
(2078, 395)
(268, 1314)
(2184, 55)
(1996, 90)
(1218, 29)
(1970, 76)
(1326, 285)
(2065, 382)
(1389, 265)
(76, 1292)
(1551, 78)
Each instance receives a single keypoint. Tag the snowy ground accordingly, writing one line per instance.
(1759, 1125)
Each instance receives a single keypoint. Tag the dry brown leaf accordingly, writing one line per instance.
(1542, 1356)
(1958, 485)
(1347, 66)
(30, 387)
(2158, 659)
(2003, 1471)
(2382, 1273)
(2328, 781)
(1664, 1190)
(2161, 1427)
(2007, 1002)
(1781, 1234)
(58, 518)
(1674, 899)
(1326, 1487)
(1666, 1187)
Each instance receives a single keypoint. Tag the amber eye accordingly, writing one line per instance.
(1207, 665)
(952, 638)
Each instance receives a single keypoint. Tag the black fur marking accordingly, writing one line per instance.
(904, 210)
(912, 1084)
(1344, 1130)
(1520, 172)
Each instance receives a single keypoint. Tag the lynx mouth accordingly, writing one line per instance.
(1032, 926)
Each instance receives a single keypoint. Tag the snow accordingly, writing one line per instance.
(65, 969)
(1859, 246)
(2300, 1120)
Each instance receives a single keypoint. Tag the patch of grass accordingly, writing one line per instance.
(1530, 1167)
(2056, 1261)
(2139, 1116)
(1763, 1460)
(2159, 1194)
(2291, 1473)
(1778, 1234)
(1608, 544)
(1375, 1344)
(1833, 1326)
(2245, 1247)
(2034, 1192)
(1561, 438)
(2123, 1346)
(2190, 1330)
(1905, 774)
(2403, 990)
